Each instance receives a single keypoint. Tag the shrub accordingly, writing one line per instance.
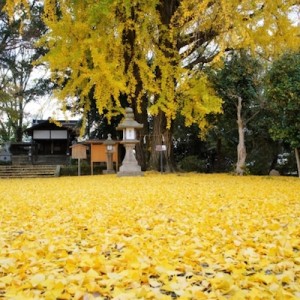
(72, 170)
(193, 163)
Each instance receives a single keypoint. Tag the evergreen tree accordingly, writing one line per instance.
(283, 94)
(239, 84)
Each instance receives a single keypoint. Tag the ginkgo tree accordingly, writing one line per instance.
(152, 53)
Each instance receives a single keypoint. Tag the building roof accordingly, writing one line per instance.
(70, 125)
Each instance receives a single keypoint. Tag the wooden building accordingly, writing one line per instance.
(51, 141)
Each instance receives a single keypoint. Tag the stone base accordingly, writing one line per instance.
(274, 173)
(126, 173)
(130, 165)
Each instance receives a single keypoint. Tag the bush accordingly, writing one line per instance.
(72, 170)
(193, 163)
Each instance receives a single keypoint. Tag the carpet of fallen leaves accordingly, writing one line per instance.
(175, 236)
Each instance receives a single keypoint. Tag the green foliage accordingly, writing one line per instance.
(240, 77)
(192, 163)
(85, 169)
(286, 163)
(283, 94)
(262, 150)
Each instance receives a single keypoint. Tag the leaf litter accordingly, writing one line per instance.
(158, 236)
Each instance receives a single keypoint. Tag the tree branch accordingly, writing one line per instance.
(200, 60)
(198, 38)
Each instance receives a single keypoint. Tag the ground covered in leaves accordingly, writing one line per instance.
(177, 236)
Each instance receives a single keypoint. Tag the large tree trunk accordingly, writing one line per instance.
(161, 135)
(241, 148)
(142, 152)
(139, 109)
(297, 160)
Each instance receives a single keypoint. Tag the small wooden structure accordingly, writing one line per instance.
(98, 153)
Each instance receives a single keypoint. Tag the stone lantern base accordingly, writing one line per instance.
(123, 174)
(108, 172)
(109, 164)
(130, 165)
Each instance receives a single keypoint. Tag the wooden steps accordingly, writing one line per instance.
(29, 171)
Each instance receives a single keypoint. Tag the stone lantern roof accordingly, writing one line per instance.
(109, 140)
(128, 121)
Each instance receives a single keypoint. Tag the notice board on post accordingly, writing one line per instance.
(98, 154)
(79, 151)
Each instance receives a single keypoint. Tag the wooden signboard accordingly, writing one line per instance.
(78, 151)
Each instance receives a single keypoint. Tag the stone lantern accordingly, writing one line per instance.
(109, 154)
(129, 126)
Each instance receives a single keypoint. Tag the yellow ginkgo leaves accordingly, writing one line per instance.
(176, 236)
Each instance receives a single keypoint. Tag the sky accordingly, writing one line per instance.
(46, 107)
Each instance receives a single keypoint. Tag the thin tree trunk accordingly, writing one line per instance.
(297, 160)
(241, 148)
(19, 128)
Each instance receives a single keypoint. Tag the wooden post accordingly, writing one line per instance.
(297, 160)
(79, 167)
